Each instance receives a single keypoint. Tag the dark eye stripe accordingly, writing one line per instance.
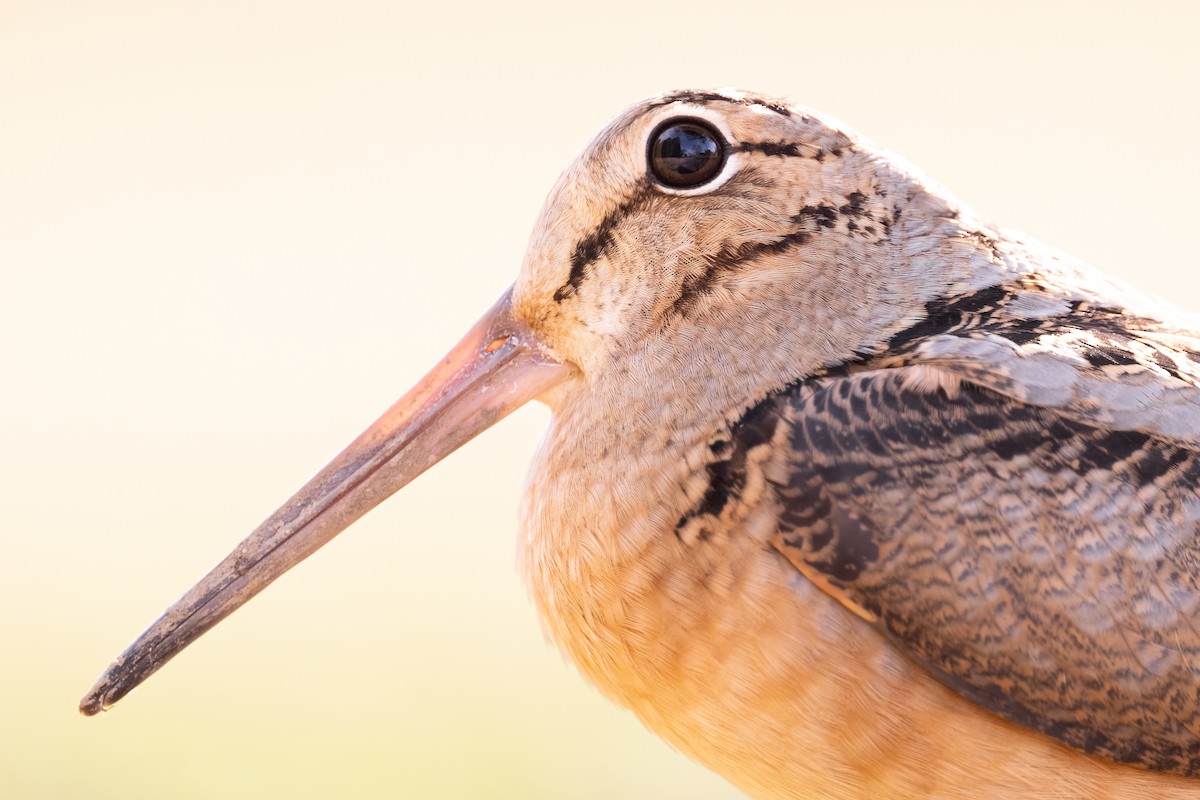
(592, 247)
(791, 149)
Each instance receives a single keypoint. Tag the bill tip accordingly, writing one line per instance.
(92, 703)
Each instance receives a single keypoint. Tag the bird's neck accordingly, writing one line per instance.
(614, 473)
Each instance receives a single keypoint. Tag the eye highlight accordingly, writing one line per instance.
(685, 152)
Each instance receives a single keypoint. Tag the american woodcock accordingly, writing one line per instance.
(846, 494)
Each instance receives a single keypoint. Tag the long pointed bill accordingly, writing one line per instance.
(497, 367)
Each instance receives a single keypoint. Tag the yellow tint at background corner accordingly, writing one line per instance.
(231, 233)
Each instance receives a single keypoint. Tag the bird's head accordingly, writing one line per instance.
(708, 234)
(701, 235)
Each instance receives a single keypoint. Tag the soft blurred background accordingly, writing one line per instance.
(231, 233)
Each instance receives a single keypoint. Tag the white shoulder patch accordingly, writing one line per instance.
(1136, 398)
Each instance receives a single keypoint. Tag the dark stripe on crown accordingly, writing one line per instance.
(700, 98)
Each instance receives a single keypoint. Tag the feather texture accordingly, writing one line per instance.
(857, 496)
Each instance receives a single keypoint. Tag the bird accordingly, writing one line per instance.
(846, 493)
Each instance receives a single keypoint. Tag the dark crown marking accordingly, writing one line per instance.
(701, 98)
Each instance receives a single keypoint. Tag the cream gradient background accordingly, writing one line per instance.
(231, 233)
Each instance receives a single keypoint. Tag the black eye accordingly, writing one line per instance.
(686, 153)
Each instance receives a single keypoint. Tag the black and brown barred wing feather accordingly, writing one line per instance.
(1040, 561)
(1045, 569)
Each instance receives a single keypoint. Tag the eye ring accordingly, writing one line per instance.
(685, 152)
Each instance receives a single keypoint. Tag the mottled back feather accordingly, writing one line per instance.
(1027, 532)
